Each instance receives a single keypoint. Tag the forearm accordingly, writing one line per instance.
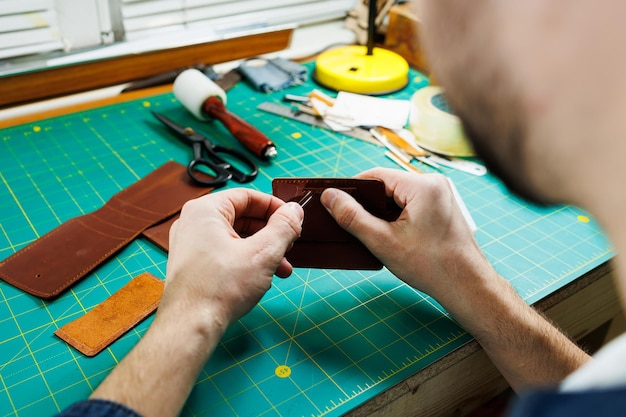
(155, 378)
(527, 349)
(430, 247)
(208, 287)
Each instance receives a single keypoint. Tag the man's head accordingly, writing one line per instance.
(528, 79)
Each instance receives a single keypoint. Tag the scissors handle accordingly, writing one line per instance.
(237, 175)
(220, 171)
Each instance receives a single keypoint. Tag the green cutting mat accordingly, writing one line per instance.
(319, 343)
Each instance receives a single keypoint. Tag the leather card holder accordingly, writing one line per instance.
(109, 320)
(323, 243)
(58, 259)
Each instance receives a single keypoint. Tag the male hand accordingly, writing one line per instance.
(225, 249)
(429, 244)
(431, 247)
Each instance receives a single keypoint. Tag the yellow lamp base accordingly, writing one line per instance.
(350, 69)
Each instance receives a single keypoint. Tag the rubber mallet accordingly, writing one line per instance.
(207, 101)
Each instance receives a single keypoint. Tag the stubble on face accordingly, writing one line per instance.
(459, 37)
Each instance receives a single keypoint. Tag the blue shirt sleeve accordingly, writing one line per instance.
(597, 403)
(98, 408)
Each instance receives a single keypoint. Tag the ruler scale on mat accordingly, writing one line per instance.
(321, 342)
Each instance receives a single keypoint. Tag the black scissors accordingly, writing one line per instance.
(213, 158)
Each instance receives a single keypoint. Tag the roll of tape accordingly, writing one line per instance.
(434, 125)
(192, 88)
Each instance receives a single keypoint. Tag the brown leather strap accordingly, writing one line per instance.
(60, 258)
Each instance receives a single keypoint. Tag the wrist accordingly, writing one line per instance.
(202, 323)
(526, 348)
(156, 377)
(481, 300)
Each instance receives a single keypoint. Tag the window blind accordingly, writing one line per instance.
(146, 18)
(31, 27)
(28, 27)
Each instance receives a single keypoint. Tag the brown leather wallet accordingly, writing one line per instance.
(55, 261)
(323, 243)
(159, 234)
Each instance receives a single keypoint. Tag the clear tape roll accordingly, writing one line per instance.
(435, 127)
(192, 88)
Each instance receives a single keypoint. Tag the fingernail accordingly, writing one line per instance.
(330, 194)
(293, 206)
(296, 208)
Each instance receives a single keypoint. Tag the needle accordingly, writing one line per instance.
(306, 198)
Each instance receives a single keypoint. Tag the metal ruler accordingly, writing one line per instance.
(293, 114)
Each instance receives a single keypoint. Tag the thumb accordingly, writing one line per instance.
(349, 214)
(282, 229)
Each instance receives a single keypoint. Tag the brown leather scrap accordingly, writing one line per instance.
(159, 234)
(109, 320)
(55, 261)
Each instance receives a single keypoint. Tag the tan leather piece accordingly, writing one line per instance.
(323, 243)
(63, 256)
(109, 320)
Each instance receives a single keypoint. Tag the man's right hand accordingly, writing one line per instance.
(431, 247)
(430, 243)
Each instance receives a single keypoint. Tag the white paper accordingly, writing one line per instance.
(322, 109)
(359, 110)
